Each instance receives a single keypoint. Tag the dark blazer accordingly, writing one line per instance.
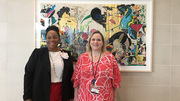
(37, 78)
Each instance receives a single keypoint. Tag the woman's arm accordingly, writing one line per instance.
(115, 95)
(28, 76)
(28, 100)
(76, 93)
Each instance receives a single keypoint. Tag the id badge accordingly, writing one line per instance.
(94, 90)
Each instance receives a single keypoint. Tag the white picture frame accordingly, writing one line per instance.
(146, 13)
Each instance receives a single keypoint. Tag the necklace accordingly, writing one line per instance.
(54, 68)
(94, 72)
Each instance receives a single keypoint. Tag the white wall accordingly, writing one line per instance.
(17, 41)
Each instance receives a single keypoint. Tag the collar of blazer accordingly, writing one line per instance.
(63, 53)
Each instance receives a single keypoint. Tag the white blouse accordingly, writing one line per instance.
(57, 66)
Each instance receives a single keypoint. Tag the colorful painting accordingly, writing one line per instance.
(126, 27)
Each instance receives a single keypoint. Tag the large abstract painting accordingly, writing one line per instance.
(126, 25)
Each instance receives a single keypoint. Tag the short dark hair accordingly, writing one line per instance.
(56, 29)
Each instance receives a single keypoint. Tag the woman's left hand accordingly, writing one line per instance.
(71, 100)
(115, 95)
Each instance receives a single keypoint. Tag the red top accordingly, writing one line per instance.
(107, 75)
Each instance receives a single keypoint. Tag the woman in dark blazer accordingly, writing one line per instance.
(46, 79)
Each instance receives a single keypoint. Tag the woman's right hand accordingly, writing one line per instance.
(28, 100)
(76, 93)
(75, 99)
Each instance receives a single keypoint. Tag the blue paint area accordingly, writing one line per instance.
(70, 34)
(53, 7)
(127, 18)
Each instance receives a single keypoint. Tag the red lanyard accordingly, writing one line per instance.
(94, 74)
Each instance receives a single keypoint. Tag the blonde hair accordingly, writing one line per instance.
(89, 49)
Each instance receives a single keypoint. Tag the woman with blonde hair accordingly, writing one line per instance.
(96, 76)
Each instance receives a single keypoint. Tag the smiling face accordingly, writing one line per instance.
(96, 42)
(52, 39)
